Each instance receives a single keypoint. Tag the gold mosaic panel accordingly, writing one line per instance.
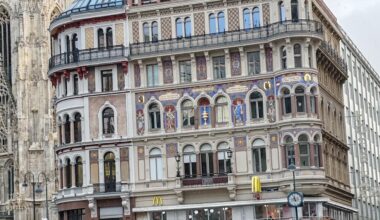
(233, 19)
(199, 23)
(89, 34)
(166, 28)
(119, 34)
(135, 30)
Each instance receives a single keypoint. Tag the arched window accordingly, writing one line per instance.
(294, 6)
(179, 27)
(256, 17)
(100, 38)
(154, 116)
(300, 99)
(221, 22)
(187, 109)
(190, 162)
(187, 27)
(317, 151)
(310, 49)
(155, 161)
(207, 160)
(67, 130)
(146, 32)
(77, 128)
(221, 108)
(224, 162)
(109, 37)
(75, 84)
(154, 31)
(78, 172)
(247, 18)
(68, 173)
(74, 46)
(108, 121)
(257, 107)
(259, 158)
(283, 57)
(304, 149)
(290, 153)
(287, 101)
(10, 179)
(5, 41)
(282, 11)
(109, 172)
(212, 23)
(297, 56)
(204, 111)
(313, 100)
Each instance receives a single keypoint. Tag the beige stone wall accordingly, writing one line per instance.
(89, 36)
(119, 34)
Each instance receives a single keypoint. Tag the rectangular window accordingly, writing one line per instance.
(152, 75)
(207, 164)
(219, 67)
(290, 155)
(254, 63)
(155, 168)
(76, 214)
(76, 85)
(190, 163)
(287, 105)
(106, 80)
(224, 163)
(185, 71)
(304, 155)
(64, 86)
(259, 160)
(300, 103)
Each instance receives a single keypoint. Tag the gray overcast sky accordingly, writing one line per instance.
(361, 20)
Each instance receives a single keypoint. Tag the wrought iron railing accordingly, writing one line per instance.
(226, 38)
(334, 55)
(205, 180)
(91, 54)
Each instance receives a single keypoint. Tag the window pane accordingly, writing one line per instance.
(256, 17)
(159, 168)
(219, 67)
(256, 162)
(247, 18)
(185, 71)
(261, 109)
(146, 32)
(254, 63)
(300, 103)
(210, 163)
(152, 75)
(221, 22)
(288, 105)
(263, 158)
(187, 27)
(179, 26)
(204, 164)
(154, 31)
(153, 169)
(212, 24)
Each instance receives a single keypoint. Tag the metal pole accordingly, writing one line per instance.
(34, 200)
(294, 189)
(46, 199)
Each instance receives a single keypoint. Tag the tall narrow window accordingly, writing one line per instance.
(287, 101)
(283, 57)
(190, 162)
(304, 149)
(187, 109)
(100, 38)
(152, 75)
(108, 121)
(254, 63)
(219, 67)
(282, 11)
(78, 172)
(297, 56)
(154, 31)
(185, 71)
(68, 173)
(179, 27)
(154, 116)
(313, 100)
(67, 130)
(74, 46)
(257, 108)
(290, 153)
(109, 37)
(224, 162)
(10, 179)
(207, 160)
(187, 27)
(247, 18)
(77, 128)
(310, 49)
(300, 99)
(75, 84)
(256, 17)
(221, 22)
(317, 150)
(109, 172)
(259, 158)
(106, 80)
(65, 86)
(294, 6)
(146, 32)
(155, 161)
(221, 107)
(212, 23)
(68, 48)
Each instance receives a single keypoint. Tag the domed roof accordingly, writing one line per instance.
(86, 5)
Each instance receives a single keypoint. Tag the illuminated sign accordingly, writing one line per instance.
(256, 184)
(157, 201)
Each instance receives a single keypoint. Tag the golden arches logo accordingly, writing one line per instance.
(157, 201)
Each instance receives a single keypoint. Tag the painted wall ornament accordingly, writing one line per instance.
(201, 68)
(235, 64)
(271, 114)
(168, 71)
(140, 122)
(170, 119)
(238, 112)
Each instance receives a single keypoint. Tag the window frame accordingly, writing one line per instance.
(287, 101)
(184, 66)
(152, 73)
(207, 155)
(255, 104)
(189, 155)
(219, 67)
(110, 122)
(297, 49)
(222, 112)
(258, 149)
(75, 84)
(155, 160)
(254, 63)
(155, 121)
(300, 99)
(106, 79)
(304, 144)
(191, 122)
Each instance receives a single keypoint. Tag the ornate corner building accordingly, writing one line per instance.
(166, 110)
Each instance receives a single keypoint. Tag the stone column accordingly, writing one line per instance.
(175, 70)
(72, 131)
(312, 153)
(227, 64)
(143, 78)
(210, 72)
(263, 66)
(193, 68)
(297, 154)
(308, 104)
(294, 106)
(64, 176)
(63, 137)
(289, 54)
(243, 62)
(280, 107)
(215, 162)
(305, 54)
(199, 168)
(160, 72)
(73, 179)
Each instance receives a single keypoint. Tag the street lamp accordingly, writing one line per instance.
(39, 190)
(266, 211)
(178, 159)
(25, 184)
(293, 168)
(229, 155)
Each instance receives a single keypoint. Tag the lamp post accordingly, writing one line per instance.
(266, 211)
(39, 190)
(229, 155)
(178, 159)
(25, 184)
(29, 176)
(292, 168)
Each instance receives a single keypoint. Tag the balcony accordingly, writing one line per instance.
(204, 180)
(333, 55)
(87, 57)
(228, 39)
